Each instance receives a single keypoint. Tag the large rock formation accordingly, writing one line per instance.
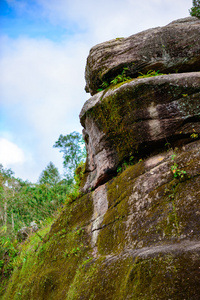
(136, 118)
(135, 233)
(170, 49)
(135, 237)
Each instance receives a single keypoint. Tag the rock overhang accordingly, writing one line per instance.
(169, 49)
(136, 117)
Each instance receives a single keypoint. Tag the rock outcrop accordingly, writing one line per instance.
(136, 118)
(134, 232)
(169, 49)
(24, 232)
(135, 237)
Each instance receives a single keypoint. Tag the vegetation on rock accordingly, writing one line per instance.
(142, 247)
(173, 48)
(195, 10)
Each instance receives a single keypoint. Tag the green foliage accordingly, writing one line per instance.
(195, 10)
(50, 176)
(177, 172)
(6, 173)
(8, 253)
(76, 251)
(194, 135)
(122, 167)
(79, 171)
(73, 148)
(33, 203)
(150, 73)
(13, 254)
(22, 203)
(121, 78)
(104, 85)
(75, 190)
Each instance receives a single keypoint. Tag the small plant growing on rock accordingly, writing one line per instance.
(177, 172)
(194, 135)
(150, 73)
(122, 167)
(195, 10)
(76, 251)
(121, 78)
(104, 85)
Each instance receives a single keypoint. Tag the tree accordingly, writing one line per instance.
(6, 173)
(73, 148)
(8, 184)
(195, 10)
(50, 176)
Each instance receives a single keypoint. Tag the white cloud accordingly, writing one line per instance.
(42, 93)
(98, 21)
(42, 81)
(107, 19)
(10, 153)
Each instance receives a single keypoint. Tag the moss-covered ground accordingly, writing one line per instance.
(60, 263)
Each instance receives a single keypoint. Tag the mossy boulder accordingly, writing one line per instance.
(135, 237)
(135, 119)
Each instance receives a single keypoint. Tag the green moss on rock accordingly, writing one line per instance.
(147, 247)
(47, 272)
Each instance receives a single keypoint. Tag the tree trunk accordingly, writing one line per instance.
(5, 213)
(13, 224)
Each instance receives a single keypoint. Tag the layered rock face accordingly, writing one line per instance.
(135, 231)
(150, 212)
(136, 118)
(170, 49)
(134, 237)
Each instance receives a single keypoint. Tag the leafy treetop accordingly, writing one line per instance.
(195, 10)
(73, 149)
(50, 176)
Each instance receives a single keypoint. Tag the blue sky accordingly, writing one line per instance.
(43, 49)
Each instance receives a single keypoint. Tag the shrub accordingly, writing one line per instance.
(195, 10)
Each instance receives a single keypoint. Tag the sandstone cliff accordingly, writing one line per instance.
(134, 231)
(170, 49)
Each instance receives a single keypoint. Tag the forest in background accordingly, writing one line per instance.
(23, 202)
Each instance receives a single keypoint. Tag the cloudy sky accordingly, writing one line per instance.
(43, 49)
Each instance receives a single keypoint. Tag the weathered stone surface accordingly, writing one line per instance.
(149, 207)
(24, 232)
(169, 49)
(135, 237)
(137, 117)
